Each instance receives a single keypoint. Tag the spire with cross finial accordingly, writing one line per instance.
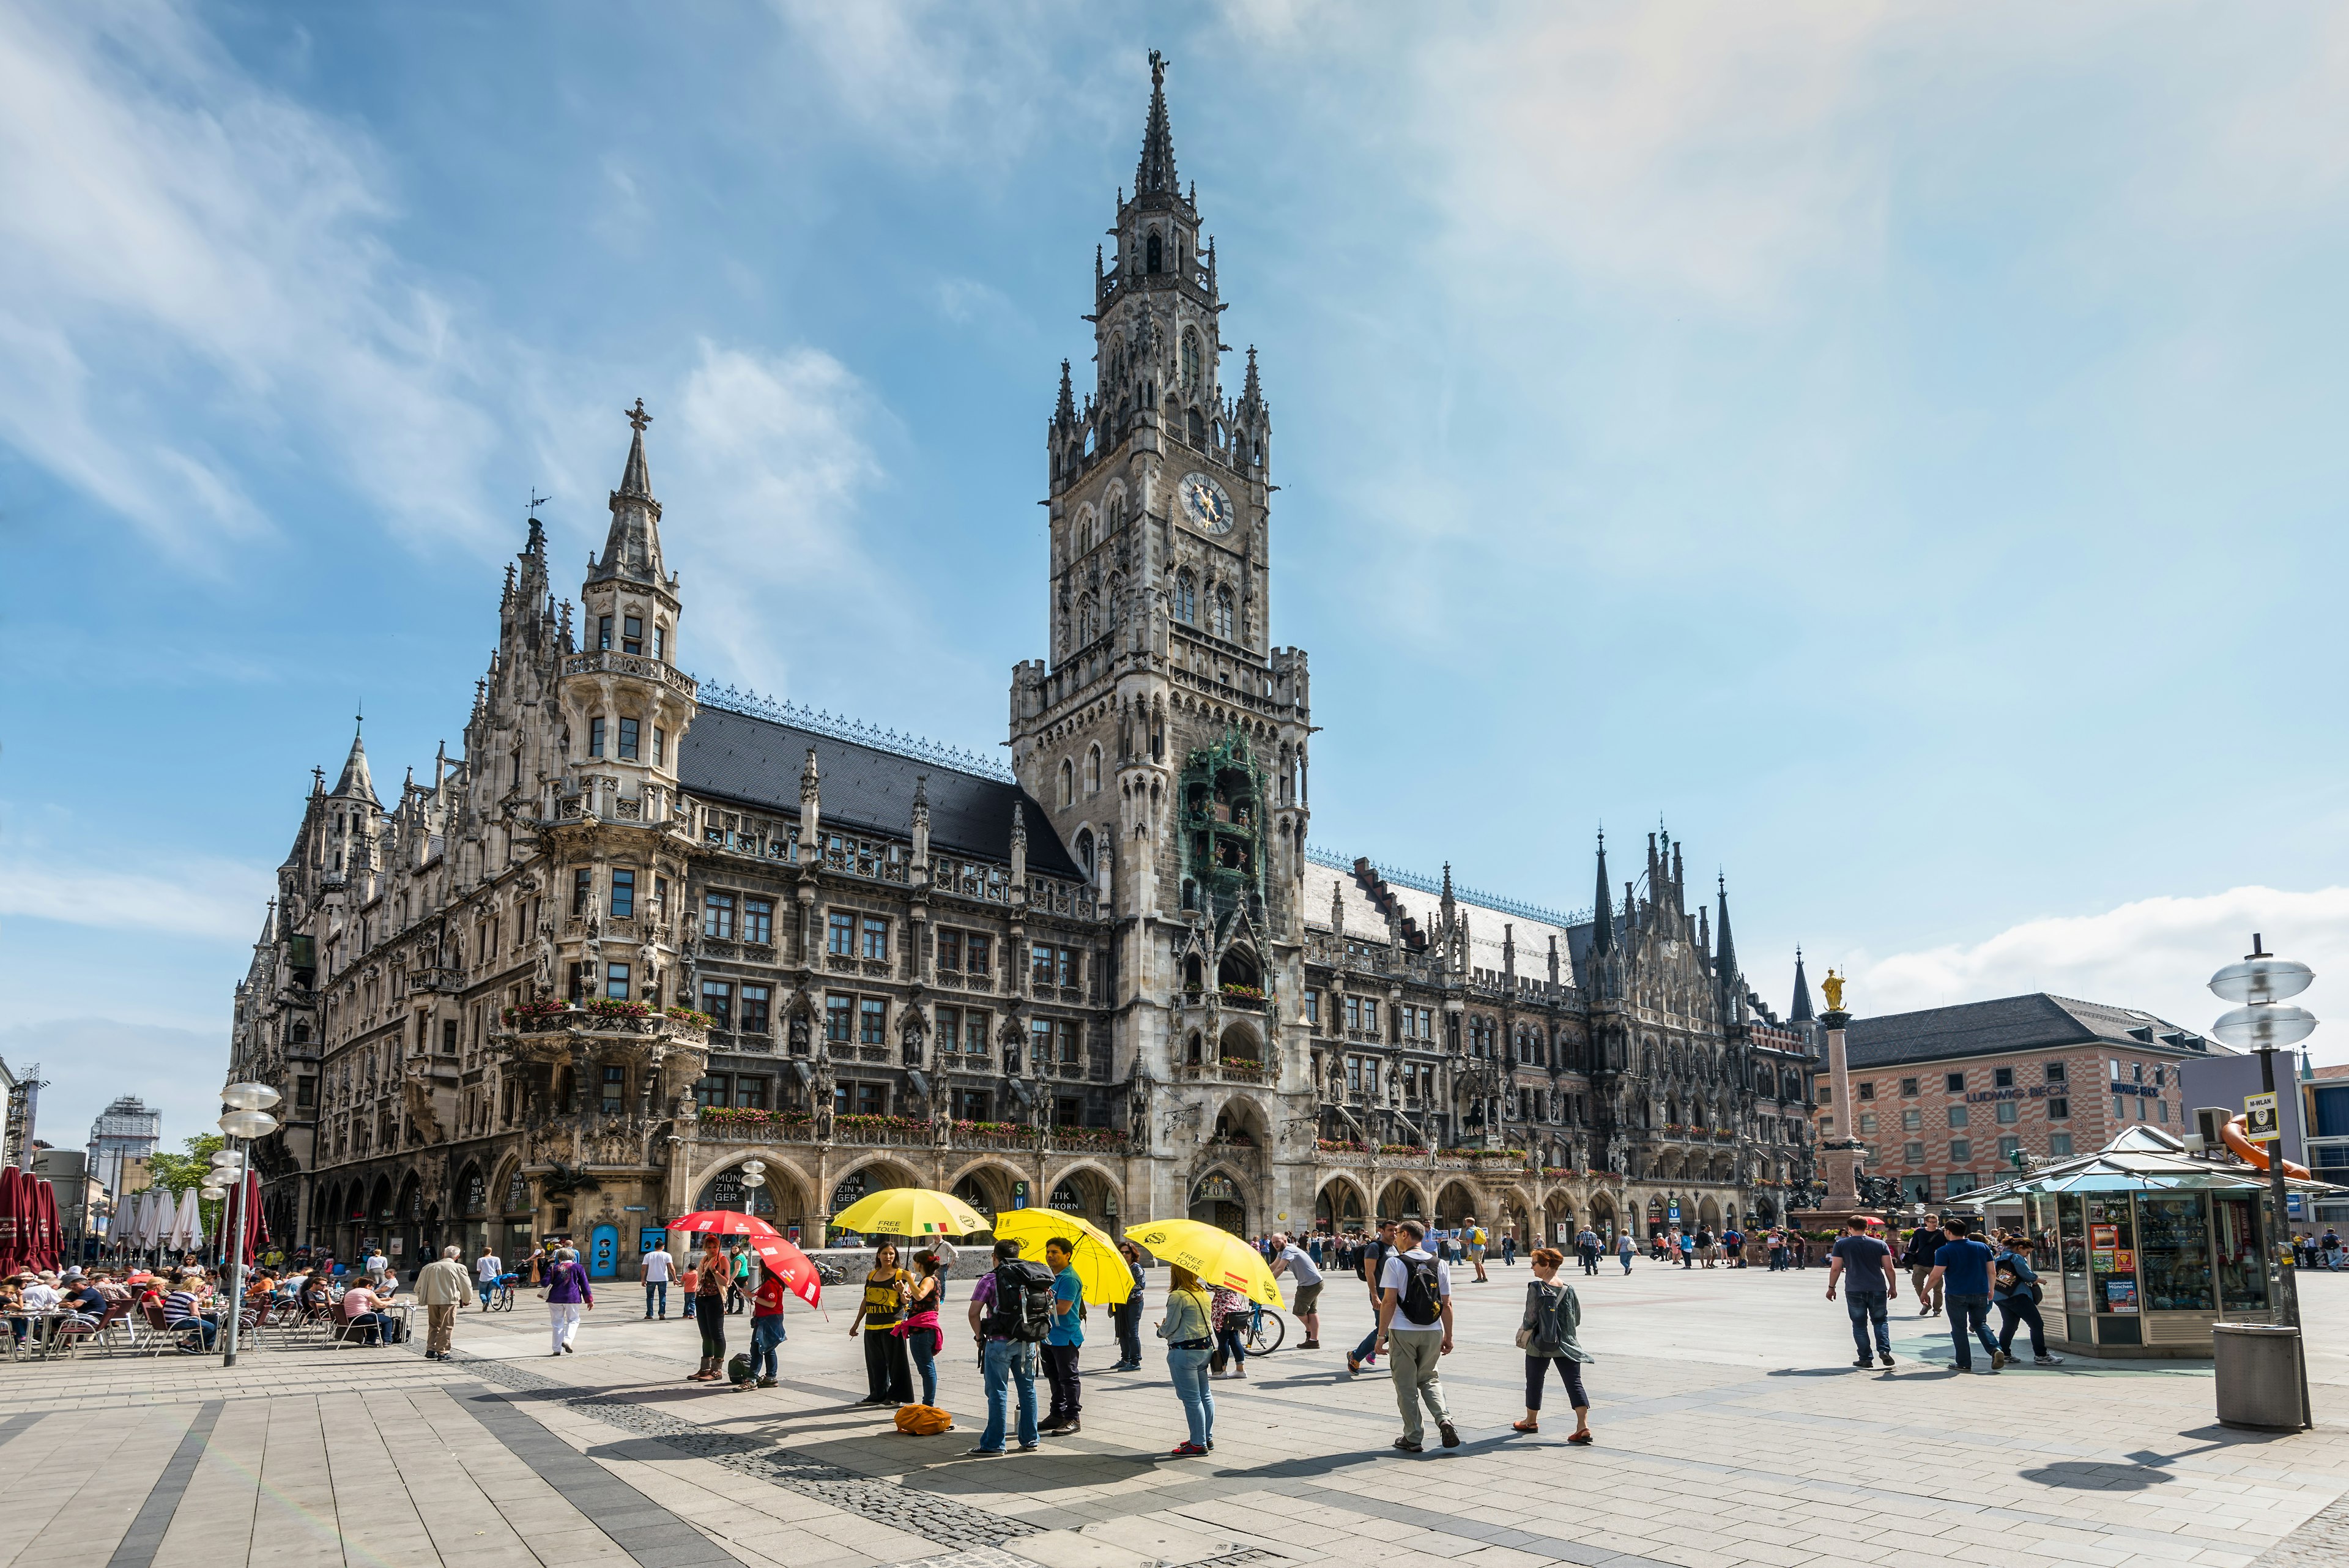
(632, 550)
(1155, 172)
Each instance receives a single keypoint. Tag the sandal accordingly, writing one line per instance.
(1577, 1437)
(1525, 1426)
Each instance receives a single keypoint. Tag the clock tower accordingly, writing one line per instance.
(1166, 735)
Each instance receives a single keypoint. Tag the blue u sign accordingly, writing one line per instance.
(603, 1252)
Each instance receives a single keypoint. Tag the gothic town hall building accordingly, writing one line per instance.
(638, 931)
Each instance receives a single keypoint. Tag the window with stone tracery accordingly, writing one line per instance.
(1219, 617)
(1187, 597)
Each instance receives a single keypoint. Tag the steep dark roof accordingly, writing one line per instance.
(757, 762)
(2038, 1021)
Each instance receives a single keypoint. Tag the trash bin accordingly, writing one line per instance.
(2258, 1374)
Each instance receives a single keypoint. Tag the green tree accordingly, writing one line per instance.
(176, 1173)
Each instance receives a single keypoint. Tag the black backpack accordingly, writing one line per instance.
(1023, 1302)
(1422, 1297)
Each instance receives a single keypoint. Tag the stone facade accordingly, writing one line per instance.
(637, 933)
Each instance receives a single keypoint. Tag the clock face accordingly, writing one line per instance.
(1205, 504)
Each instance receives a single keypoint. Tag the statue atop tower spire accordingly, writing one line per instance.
(1155, 173)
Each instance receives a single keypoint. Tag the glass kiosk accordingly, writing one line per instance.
(2153, 1245)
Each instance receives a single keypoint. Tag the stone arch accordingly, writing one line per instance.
(1094, 1191)
(1558, 1225)
(379, 1199)
(1517, 1218)
(1241, 1042)
(472, 1191)
(1220, 1195)
(1341, 1204)
(1242, 1120)
(874, 1173)
(1403, 1199)
(1708, 1214)
(1457, 1201)
(1603, 1217)
(990, 1177)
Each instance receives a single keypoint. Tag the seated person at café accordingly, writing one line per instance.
(362, 1316)
(12, 1308)
(183, 1308)
(84, 1300)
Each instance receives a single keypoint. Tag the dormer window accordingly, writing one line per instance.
(632, 635)
(603, 632)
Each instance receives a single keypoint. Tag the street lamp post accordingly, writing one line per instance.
(248, 1119)
(2261, 982)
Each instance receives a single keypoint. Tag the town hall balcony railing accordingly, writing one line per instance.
(718, 1124)
(603, 1017)
(610, 661)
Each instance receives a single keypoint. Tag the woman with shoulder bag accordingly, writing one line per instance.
(1189, 1332)
(2016, 1291)
(1548, 1334)
(711, 1276)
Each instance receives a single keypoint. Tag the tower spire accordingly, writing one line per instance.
(1801, 1012)
(632, 549)
(1602, 920)
(1724, 967)
(356, 783)
(1155, 172)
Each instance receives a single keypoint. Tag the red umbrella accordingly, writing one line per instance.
(45, 1224)
(791, 1265)
(722, 1223)
(12, 1244)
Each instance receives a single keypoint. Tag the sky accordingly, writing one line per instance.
(1897, 448)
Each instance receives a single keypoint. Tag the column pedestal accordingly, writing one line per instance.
(1840, 1157)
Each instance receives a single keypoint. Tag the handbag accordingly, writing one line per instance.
(1526, 1337)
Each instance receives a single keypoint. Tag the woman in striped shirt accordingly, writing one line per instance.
(183, 1307)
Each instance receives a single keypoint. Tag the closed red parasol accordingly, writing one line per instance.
(12, 1225)
(45, 1237)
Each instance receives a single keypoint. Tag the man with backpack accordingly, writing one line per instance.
(1010, 1315)
(1371, 1261)
(1415, 1331)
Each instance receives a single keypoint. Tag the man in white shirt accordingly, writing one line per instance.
(943, 1250)
(39, 1295)
(1288, 1255)
(1415, 1330)
(657, 1266)
(487, 1269)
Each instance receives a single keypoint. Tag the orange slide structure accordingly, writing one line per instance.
(2252, 1154)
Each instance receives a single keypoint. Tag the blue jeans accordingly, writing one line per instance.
(657, 1289)
(1365, 1352)
(1627, 1263)
(1010, 1362)
(766, 1332)
(1189, 1370)
(1969, 1314)
(488, 1289)
(924, 1342)
(1867, 1307)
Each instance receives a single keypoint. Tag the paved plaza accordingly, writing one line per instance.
(1731, 1429)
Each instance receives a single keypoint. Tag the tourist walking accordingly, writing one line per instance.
(1064, 1342)
(1190, 1338)
(737, 1282)
(709, 1277)
(1625, 1248)
(887, 1379)
(1127, 1315)
(567, 1292)
(767, 1324)
(1415, 1331)
(1586, 1247)
(1371, 1264)
(920, 1331)
(1231, 1310)
(2016, 1290)
(658, 1265)
(1510, 1248)
(1548, 1334)
(1473, 1236)
(1011, 1312)
(442, 1287)
(1924, 1242)
(1962, 1269)
(487, 1271)
(1307, 1303)
(1864, 1264)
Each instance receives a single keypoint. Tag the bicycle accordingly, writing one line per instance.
(1265, 1331)
(502, 1299)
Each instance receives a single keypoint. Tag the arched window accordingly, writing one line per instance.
(1093, 771)
(1088, 619)
(1186, 610)
(1190, 362)
(1151, 253)
(1067, 783)
(1085, 849)
(1198, 430)
(1220, 617)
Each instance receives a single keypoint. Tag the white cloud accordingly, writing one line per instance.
(771, 464)
(2155, 954)
(215, 899)
(88, 1062)
(182, 251)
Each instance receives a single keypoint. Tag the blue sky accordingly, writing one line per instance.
(1899, 446)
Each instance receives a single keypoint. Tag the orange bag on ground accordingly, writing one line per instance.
(923, 1420)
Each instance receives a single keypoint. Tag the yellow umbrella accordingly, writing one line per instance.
(910, 1211)
(1102, 1269)
(1216, 1255)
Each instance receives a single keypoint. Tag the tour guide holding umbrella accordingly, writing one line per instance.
(910, 1211)
(1200, 1254)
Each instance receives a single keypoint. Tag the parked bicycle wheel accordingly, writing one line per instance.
(1264, 1334)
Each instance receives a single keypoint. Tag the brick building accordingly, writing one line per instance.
(1945, 1098)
